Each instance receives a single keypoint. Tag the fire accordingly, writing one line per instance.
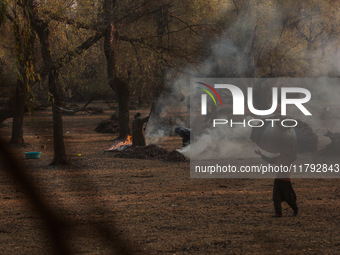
(122, 145)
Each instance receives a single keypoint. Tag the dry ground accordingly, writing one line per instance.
(154, 204)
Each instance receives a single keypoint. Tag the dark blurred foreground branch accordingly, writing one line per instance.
(17, 172)
(56, 225)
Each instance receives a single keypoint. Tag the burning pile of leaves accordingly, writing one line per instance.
(150, 152)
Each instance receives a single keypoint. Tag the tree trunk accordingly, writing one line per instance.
(6, 111)
(24, 46)
(120, 87)
(162, 21)
(18, 116)
(42, 29)
(43, 32)
(123, 94)
(58, 133)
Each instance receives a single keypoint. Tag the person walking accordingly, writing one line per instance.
(283, 189)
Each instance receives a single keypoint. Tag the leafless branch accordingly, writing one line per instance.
(300, 32)
(183, 21)
(147, 8)
(96, 27)
(174, 31)
(78, 50)
(9, 17)
(237, 11)
(60, 62)
(137, 57)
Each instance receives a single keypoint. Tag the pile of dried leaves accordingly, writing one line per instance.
(150, 152)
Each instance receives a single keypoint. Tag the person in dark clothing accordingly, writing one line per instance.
(283, 189)
(185, 134)
(138, 136)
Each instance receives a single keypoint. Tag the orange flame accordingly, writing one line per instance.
(127, 141)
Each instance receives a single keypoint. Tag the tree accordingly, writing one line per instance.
(51, 67)
(41, 27)
(24, 45)
(132, 39)
(117, 84)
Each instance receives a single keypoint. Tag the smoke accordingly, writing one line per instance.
(325, 108)
(220, 143)
(223, 53)
(153, 137)
(263, 41)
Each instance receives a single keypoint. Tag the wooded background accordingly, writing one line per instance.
(131, 51)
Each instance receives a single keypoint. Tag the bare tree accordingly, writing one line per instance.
(118, 85)
(51, 68)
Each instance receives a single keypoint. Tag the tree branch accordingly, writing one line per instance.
(96, 27)
(129, 39)
(145, 9)
(300, 32)
(183, 21)
(173, 31)
(78, 50)
(9, 17)
(236, 7)
(137, 57)
(60, 62)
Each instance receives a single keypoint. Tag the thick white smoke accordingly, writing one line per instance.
(256, 33)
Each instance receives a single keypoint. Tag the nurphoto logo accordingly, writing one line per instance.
(238, 108)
